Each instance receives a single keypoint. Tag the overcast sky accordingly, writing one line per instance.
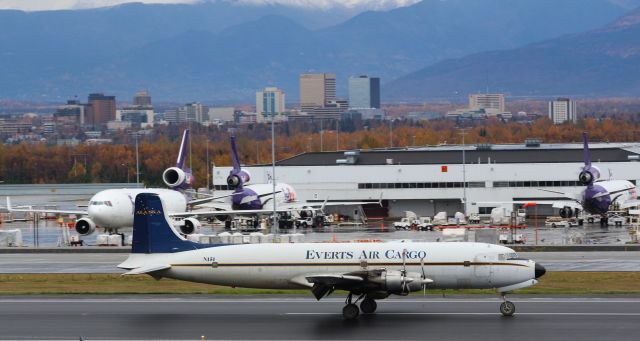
(39, 5)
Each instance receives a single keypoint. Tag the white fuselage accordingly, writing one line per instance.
(285, 266)
(627, 191)
(113, 208)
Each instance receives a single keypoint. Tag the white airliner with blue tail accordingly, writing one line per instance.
(367, 271)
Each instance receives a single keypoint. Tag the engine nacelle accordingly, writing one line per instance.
(306, 213)
(237, 178)
(589, 175)
(233, 181)
(175, 177)
(566, 212)
(190, 226)
(85, 226)
(397, 283)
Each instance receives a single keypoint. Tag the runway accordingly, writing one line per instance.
(106, 262)
(302, 318)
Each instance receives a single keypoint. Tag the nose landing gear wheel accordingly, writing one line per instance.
(350, 311)
(507, 308)
(368, 306)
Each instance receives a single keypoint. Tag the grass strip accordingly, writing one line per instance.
(578, 283)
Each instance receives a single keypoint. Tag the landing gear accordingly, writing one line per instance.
(368, 305)
(351, 310)
(507, 308)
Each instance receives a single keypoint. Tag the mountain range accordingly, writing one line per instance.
(604, 62)
(223, 52)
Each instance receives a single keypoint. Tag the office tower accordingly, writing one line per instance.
(316, 90)
(142, 99)
(196, 112)
(100, 110)
(364, 92)
(489, 102)
(562, 110)
(270, 101)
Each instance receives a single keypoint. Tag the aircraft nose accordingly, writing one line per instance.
(540, 270)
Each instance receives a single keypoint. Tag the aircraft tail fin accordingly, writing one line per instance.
(152, 232)
(587, 156)
(183, 149)
(235, 159)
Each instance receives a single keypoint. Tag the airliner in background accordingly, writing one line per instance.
(599, 195)
(258, 199)
(367, 271)
(112, 209)
(596, 198)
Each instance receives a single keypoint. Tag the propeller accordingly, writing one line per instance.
(404, 270)
(424, 276)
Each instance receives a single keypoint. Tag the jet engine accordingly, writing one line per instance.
(236, 179)
(399, 283)
(306, 213)
(589, 175)
(190, 226)
(175, 177)
(566, 212)
(85, 226)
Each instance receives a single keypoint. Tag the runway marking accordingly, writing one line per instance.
(449, 313)
(298, 300)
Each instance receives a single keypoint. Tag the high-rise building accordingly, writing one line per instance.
(316, 90)
(196, 112)
(364, 92)
(490, 102)
(269, 101)
(562, 110)
(178, 115)
(142, 99)
(100, 110)
(69, 118)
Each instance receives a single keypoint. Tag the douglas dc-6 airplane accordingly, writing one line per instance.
(367, 271)
(113, 208)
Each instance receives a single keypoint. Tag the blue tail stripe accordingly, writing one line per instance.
(152, 233)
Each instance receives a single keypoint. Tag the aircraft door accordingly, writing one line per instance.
(482, 267)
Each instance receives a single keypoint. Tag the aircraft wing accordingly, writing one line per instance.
(630, 203)
(208, 199)
(10, 208)
(213, 213)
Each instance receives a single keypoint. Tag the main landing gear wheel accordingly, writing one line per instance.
(368, 306)
(350, 311)
(507, 308)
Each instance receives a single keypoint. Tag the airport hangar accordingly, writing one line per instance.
(427, 180)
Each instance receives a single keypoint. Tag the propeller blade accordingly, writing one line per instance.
(424, 276)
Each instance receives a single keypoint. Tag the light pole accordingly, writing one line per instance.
(463, 132)
(274, 229)
(390, 133)
(321, 141)
(137, 163)
(126, 167)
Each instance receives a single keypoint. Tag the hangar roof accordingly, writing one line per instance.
(452, 154)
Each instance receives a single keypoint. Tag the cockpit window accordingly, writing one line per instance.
(101, 203)
(508, 256)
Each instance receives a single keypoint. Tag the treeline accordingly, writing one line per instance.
(41, 163)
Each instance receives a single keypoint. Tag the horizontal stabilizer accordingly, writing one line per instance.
(147, 269)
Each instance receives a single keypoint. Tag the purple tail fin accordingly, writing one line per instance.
(235, 160)
(183, 149)
(587, 157)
